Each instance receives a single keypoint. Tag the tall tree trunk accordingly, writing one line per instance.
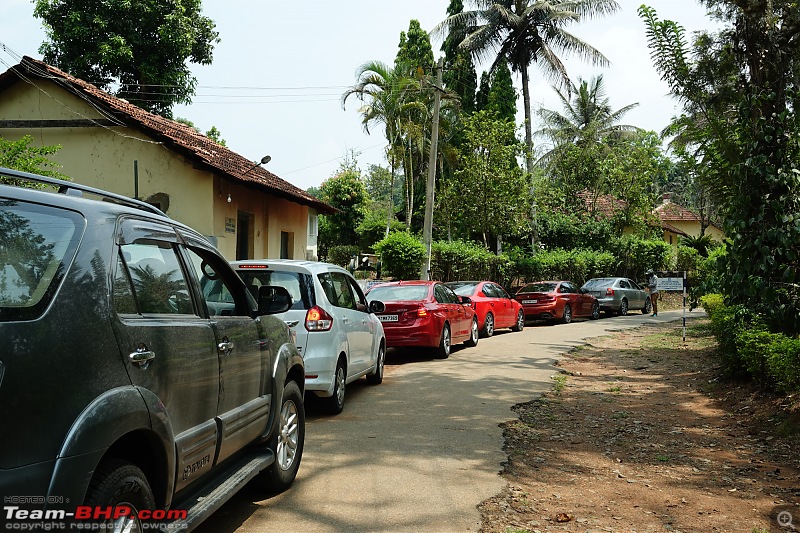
(391, 194)
(526, 98)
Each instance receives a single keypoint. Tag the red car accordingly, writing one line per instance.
(557, 300)
(492, 304)
(425, 313)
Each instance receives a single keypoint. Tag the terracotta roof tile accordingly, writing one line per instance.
(177, 136)
(603, 204)
(674, 212)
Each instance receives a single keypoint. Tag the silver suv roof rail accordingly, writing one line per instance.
(76, 189)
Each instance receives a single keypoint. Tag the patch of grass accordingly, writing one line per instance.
(616, 389)
(559, 382)
(517, 530)
(663, 458)
(620, 415)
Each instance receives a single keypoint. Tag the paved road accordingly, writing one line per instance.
(420, 451)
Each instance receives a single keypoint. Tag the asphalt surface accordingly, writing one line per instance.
(420, 451)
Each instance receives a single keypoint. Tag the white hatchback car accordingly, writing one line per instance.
(337, 332)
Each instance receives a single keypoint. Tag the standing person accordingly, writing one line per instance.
(652, 283)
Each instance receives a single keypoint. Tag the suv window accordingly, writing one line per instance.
(38, 244)
(337, 289)
(159, 284)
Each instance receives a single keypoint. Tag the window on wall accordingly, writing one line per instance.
(312, 225)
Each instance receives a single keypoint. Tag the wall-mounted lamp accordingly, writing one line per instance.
(264, 160)
(229, 197)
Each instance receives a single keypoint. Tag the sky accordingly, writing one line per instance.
(275, 85)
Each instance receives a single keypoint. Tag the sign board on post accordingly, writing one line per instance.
(675, 282)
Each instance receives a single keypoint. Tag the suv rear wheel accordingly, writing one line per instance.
(288, 441)
(335, 403)
(377, 377)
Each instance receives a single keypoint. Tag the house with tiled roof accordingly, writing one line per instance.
(678, 221)
(108, 143)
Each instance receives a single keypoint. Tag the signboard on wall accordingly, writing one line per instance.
(230, 225)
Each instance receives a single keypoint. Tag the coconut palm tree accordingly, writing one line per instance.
(525, 32)
(385, 92)
(587, 118)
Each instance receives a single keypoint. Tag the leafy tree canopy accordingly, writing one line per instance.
(21, 155)
(140, 48)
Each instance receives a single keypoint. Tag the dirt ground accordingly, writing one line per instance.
(640, 434)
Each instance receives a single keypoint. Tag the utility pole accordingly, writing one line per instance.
(427, 230)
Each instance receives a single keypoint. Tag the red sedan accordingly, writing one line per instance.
(425, 313)
(557, 300)
(492, 304)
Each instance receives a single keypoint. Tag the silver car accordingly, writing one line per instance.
(336, 331)
(618, 295)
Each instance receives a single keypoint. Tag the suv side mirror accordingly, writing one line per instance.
(273, 299)
(376, 306)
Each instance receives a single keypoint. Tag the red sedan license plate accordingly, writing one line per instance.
(387, 318)
(530, 301)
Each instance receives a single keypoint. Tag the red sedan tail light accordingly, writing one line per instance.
(422, 311)
(317, 319)
(609, 292)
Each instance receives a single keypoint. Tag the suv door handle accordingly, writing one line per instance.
(142, 356)
(225, 347)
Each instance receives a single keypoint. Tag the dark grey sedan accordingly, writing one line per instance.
(618, 295)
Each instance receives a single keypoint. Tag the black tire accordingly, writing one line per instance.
(443, 351)
(488, 325)
(519, 325)
(648, 307)
(287, 443)
(623, 307)
(117, 483)
(334, 404)
(566, 318)
(595, 311)
(474, 334)
(376, 378)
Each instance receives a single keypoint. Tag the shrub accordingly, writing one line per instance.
(636, 255)
(686, 258)
(459, 260)
(573, 265)
(341, 254)
(402, 255)
(783, 362)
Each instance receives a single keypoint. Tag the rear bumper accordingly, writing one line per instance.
(414, 335)
(542, 312)
(608, 304)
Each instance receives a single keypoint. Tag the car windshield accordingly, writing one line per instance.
(462, 288)
(538, 287)
(599, 283)
(390, 293)
(298, 284)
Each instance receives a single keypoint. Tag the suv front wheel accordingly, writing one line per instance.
(118, 483)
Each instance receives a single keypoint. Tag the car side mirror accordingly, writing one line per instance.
(466, 300)
(376, 306)
(273, 299)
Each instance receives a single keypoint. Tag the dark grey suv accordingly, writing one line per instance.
(122, 386)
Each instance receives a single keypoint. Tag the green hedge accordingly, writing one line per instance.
(459, 260)
(574, 265)
(749, 349)
(342, 254)
(636, 255)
